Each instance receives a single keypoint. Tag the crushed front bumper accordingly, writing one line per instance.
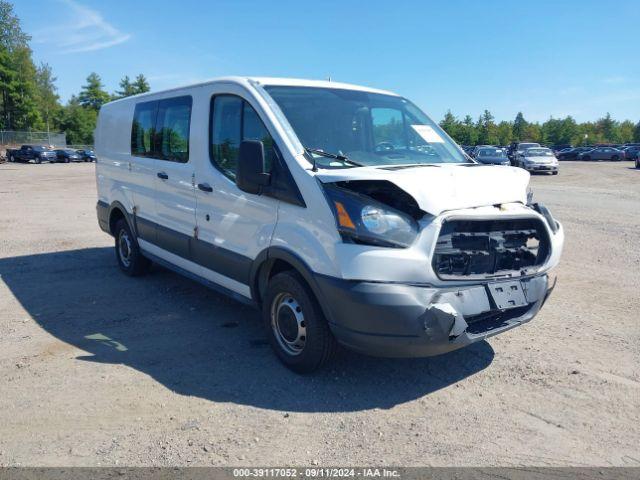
(400, 320)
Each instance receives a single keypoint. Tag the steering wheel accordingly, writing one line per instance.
(385, 147)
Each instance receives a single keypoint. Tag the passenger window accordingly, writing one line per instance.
(142, 129)
(174, 118)
(232, 121)
(388, 128)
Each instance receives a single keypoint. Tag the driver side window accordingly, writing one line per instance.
(233, 120)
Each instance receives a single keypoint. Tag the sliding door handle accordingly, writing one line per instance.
(205, 187)
(162, 175)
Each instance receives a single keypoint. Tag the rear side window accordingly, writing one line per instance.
(232, 121)
(172, 127)
(160, 129)
(142, 130)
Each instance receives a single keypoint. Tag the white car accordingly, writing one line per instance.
(538, 160)
(344, 213)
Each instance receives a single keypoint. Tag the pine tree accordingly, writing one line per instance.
(141, 85)
(519, 126)
(93, 94)
(126, 88)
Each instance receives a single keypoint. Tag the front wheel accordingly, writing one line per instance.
(38, 160)
(615, 158)
(554, 173)
(586, 158)
(130, 258)
(297, 329)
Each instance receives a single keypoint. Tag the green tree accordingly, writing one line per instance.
(608, 129)
(468, 133)
(78, 122)
(451, 125)
(126, 88)
(18, 108)
(487, 130)
(141, 85)
(519, 126)
(636, 133)
(48, 100)
(504, 133)
(93, 94)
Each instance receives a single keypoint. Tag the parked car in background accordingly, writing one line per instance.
(518, 148)
(67, 155)
(477, 148)
(87, 155)
(602, 153)
(492, 156)
(26, 153)
(631, 152)
(538, 160)
(559, 148)
(572, 153)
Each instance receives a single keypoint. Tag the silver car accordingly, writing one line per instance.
(538, 159)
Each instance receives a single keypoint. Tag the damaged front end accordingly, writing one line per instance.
(445, 279)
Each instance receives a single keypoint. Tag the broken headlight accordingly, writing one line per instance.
(361, 219)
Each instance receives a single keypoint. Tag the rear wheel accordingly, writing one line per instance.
(554, 173)
(615, 158)
(38, 160)
(130, 258)
(12, 158)
(297, 330)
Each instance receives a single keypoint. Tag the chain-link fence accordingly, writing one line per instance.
(10, 137)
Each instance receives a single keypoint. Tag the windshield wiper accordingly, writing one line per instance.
(322, 153)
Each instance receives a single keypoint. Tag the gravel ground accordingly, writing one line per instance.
(100, 369)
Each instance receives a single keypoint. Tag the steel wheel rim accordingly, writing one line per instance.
(288, 324)
(124, 248)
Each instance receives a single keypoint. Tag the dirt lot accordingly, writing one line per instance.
(100, 369)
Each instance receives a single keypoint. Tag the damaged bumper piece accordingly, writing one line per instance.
(400, 320)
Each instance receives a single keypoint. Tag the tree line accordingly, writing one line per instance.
(29, 101)
(29, 98)
(555, 131)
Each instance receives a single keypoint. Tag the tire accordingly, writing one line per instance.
(638, 163)
(615, 158)
(12, 158)
(586, 158)
(130, 258)
(66, 160)
(554, 173)
(297, 329)
(38, 160)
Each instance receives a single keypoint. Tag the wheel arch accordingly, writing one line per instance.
(117, 211)
(274, 260)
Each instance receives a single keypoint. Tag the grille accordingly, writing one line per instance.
(490, 248)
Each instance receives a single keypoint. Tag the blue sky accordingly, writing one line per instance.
(544, 58)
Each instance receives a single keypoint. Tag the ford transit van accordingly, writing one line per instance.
(344, 213)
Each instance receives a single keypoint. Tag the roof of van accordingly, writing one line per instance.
(298, 82)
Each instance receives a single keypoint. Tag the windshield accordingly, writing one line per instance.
(491, 152)
(539, 152)
(368, 129)
(524, 146)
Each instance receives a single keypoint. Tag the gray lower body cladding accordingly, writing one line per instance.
(399, 320)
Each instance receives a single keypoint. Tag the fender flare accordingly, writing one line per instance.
(261, 268)
(116, 205)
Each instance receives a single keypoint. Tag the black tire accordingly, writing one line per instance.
(12, 158)
(554, 173)
(286, 294)
(129, 257)
(615, 158)
(38, 160)
(586, 158)
(66, 160)
(637, 162)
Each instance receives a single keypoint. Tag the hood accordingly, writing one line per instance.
(438, 188)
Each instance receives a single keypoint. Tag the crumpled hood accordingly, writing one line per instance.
(438, 188)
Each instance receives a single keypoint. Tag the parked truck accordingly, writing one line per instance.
(26, 153)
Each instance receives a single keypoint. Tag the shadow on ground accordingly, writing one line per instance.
(199, 343)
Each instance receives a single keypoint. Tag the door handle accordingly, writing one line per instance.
(205, 187)
(162, 175)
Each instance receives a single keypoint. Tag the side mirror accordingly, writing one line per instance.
(251, 174)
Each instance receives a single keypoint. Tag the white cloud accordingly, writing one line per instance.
(86, 31)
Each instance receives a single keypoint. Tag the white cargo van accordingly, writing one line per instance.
(344, 213)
